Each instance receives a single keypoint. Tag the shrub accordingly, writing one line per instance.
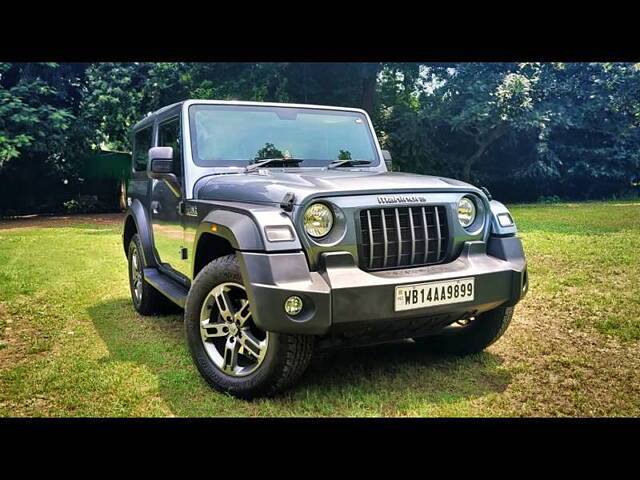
(85, 204)
(549, 199)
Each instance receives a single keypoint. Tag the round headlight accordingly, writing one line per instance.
(318, 220)
(466, 211)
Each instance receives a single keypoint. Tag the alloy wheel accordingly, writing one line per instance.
(136, 275)
(231, 339)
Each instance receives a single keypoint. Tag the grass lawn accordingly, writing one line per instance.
(72, 345)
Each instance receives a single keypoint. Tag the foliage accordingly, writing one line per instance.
(269, 151)
(549, 199)
(38, 105)
(524, 130)
(344, 155)
(85, 204)
(555, 128)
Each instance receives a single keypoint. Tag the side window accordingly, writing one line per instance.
(169, 136)
(141, 146)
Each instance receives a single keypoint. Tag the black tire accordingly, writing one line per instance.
(286, 357)
(473, 338)
(150, 301)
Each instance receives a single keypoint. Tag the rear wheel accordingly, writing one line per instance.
(231, 353)
(472, 335)
(146, 299)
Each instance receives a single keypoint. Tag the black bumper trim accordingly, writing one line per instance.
(340, 293)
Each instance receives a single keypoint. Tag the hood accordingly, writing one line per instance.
(272, 187)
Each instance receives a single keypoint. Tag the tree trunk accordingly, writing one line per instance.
(466, 172)
(369, 86)
(483, 144)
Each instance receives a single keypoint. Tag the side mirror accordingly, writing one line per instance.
(160, 167)
(160, 162)
(387, 159)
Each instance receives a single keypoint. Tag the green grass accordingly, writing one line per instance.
(588, 252)
(72, 345)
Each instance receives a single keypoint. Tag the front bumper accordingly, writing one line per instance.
(342, 295)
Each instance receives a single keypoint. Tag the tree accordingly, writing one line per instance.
(38, 104)
(550, 128)
(41, 140)
(484, 102)
(589, 124)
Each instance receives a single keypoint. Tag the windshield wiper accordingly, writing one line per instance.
(267, 161)
(347, 163)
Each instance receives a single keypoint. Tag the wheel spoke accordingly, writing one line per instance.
(251, 346)
(243, 314)
(211, 330)
(230, 360)
(224, 304)
(227, 330)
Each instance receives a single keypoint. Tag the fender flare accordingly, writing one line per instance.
(141, 220)
(238, 229)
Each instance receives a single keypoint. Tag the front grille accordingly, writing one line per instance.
(402, 237)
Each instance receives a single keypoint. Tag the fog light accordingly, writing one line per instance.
(293, 305)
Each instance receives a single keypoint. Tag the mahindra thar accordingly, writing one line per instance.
(281, 231)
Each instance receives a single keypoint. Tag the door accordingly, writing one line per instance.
(166, 219)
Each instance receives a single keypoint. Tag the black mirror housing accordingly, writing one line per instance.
(160, 167)
(160, 161)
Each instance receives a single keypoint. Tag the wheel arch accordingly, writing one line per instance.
(209, 247)
(136, 221)
(130, 229)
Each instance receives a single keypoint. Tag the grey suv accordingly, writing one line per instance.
(280, 230)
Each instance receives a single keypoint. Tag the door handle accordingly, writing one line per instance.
(155, 207)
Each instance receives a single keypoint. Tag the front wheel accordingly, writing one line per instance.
(472, 335)
(231, 353)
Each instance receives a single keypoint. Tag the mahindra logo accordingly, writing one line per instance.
(385, 199)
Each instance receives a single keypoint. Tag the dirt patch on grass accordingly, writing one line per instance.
(560, 370)
(43, 221)
(12, 350)
(19, 340)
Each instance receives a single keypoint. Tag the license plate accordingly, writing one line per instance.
(434, 293)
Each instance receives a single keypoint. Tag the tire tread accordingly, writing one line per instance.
(292, 352)
(489, 328)
(153, 302)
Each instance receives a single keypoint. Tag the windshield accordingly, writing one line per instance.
(236, 135)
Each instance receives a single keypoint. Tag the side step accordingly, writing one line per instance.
(170, 289)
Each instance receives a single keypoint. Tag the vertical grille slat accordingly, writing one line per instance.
(384, 235)
(426, 235)
(402, 237)
(399, 237)
(413, 237)
(438, 234)
(370, 240)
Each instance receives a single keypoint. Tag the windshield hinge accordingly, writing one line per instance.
(288, 201)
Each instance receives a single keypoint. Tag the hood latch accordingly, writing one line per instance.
(288, 201)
